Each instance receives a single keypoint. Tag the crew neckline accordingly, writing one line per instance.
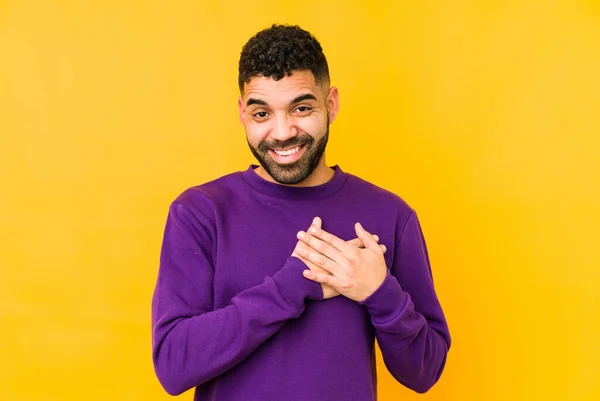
(295, 193)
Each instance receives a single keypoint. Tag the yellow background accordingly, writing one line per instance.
(483, 115)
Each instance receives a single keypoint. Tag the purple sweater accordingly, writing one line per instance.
(233, 316)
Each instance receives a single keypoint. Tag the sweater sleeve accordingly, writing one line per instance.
(410, 326)
(193, 343)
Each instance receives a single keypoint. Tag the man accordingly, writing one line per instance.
(250, 306)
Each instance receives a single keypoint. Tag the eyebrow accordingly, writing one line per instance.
(301, 98)
(298, 99)
(252, 101)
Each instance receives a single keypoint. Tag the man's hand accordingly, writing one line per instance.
(328, 291)
(348, 270)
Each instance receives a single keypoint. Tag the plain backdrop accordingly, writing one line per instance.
(482, 115)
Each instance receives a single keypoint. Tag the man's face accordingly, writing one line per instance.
(287, 123)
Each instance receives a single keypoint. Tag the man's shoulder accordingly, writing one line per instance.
(376, 194)
(217, 190)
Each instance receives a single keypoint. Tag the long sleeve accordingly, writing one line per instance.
(409, 323)
(192, 343)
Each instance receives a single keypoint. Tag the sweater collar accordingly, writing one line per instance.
(295, 193)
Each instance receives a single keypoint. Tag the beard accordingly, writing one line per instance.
(302, 168)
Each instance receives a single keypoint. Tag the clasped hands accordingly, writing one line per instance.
(354, 269)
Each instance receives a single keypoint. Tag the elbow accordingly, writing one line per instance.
(170, 367)
(423, 378)
(420, 385)
(430, 377)
(171, 373)
(170, 381)
(172, 389)
(423, 386)
(174, 375)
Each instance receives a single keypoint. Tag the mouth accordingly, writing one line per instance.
(287, 155)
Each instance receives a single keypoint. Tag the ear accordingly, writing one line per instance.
(333, 103)
(241, 109)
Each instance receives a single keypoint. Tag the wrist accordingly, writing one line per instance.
(386, 300)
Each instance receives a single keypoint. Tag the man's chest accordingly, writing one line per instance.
(252, 246)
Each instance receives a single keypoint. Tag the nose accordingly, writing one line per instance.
(283, 127)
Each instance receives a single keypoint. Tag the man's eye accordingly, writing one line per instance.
(260, 114)
(303, 109)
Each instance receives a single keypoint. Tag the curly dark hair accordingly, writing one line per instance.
(279, 50)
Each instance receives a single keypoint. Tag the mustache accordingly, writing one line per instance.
(290, 143)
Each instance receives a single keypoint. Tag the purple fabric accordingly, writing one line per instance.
(233, 316)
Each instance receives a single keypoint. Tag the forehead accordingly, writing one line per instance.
(287, 88)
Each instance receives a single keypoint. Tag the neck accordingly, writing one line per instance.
(321, 175)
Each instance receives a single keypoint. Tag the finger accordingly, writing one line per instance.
(322, 248)
(356, 242)
(365, 236)
(321, 278)
(383, 248)
(331, 239)
(319, 256)
(317, 223)
(312, 266)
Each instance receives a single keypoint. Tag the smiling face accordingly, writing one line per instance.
(287, 126)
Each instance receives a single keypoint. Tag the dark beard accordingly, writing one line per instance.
(301, 169)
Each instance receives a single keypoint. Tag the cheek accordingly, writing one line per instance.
(256, 133)
(314, 126)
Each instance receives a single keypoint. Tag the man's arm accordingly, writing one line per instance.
(192, 343)
(410, 326)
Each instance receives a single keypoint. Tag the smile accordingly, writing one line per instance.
(287, 152)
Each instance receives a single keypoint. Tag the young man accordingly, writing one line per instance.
(248, 305)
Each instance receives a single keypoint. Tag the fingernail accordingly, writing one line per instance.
(313, 230)
(300, 234)
(306, 273)
(315, 220)
(376, 238)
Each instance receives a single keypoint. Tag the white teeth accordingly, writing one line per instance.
(287, 152)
